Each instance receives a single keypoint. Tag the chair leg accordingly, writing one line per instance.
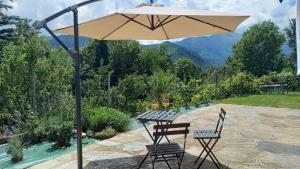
(180, 160)
(153, 162)
(166, 162)
(202, 150)
(143, 160)
(211, 155)
(208, 154)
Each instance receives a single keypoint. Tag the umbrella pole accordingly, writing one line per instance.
(75, 54)
(77, 60)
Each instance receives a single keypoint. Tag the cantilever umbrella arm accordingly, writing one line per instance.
(77, 60)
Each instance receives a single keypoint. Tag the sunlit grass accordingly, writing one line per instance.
(291, 100)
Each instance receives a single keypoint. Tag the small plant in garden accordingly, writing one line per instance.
(63, 135)
(15, 148)
(106, 133)
(98, 119)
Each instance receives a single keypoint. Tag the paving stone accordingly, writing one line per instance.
(253, 137)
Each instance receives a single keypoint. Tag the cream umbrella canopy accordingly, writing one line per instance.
(146, 22)
(155, 22)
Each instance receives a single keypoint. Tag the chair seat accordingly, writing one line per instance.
(205, 134)
(164, 149)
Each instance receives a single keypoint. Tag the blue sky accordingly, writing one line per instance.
(258, 10)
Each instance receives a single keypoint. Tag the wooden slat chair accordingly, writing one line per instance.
(208, 138)
(168, 151)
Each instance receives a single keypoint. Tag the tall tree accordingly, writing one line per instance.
(186, 69)
(7, 24)
(123, 56)
(260, 49)
(291, 38)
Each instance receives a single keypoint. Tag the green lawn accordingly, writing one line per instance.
(291, 100)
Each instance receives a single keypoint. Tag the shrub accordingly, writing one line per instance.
(243, 83)
(205, 94)
(106, 133)
(100, 118)
(90, 133)
(51, 129)
(15, 148)
(142, 106)
(62, 134)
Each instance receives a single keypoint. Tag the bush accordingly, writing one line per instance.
(142, 106)
(100, 118)
(49, 129)
(205, 94)
(243, 83)
(106, 133)
(15, 148)
(90, 133)
(63, 134)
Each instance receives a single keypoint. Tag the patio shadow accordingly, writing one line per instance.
(133, 162)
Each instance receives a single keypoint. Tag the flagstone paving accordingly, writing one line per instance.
(253, 137)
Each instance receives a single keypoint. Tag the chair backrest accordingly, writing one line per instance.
(171, 129)
(219, 127)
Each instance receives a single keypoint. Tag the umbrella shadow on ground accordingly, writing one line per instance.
(133, 162)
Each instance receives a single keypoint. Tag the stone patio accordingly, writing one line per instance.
(253, 137)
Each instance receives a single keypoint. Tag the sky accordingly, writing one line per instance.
(258, 10)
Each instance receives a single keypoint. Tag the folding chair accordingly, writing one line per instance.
(168, 151)
(208, 138)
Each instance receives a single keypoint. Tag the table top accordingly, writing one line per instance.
(158, 116)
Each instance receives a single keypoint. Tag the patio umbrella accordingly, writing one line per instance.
(146, 22)
(156, 22)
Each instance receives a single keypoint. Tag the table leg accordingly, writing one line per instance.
(148, 132)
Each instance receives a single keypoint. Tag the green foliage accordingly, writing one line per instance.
(186, 69)
(151, 61)
(244, 83)
(291, 39)
(204, 94)
(162, 83)
(259, 49)
(102, 117)
(123, 56)
(63, 134)
(106, 133)
(53, 128)
(35, 78)
(7, 24)
(4, 118)
(15, 148)
(95, 54)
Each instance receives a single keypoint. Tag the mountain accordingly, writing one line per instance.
(214, 49)
(68, 40)
(177, 51)
(206, 51)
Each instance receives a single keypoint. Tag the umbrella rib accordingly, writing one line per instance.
(160, 23)
(220, 27)
(132, 19)
(149, 19)
(118, 28)
(163, 28)
(168, 21)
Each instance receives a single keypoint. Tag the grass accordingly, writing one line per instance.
(291, 100)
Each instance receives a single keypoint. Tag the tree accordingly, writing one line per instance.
(291, 38)
(260, 49)
(123, 56)
(186, 69)
(152, 61)
(7, 24)
(95, 54)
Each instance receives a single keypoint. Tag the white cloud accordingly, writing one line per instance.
(258, 10)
